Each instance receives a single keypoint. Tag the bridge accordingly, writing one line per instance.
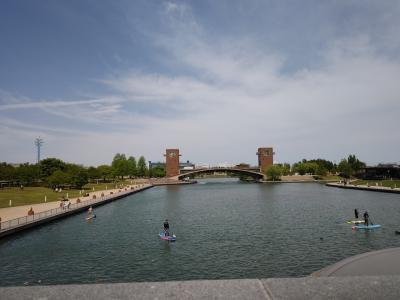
(254, 173)
(173, 170)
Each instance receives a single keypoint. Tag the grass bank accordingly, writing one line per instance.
(35, 195)
(386, 183)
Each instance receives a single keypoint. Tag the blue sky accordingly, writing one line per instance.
(217, 79)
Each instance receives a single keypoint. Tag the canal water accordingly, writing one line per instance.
(225, 229)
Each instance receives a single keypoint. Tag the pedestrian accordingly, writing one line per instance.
(166, 227)
(366, 217)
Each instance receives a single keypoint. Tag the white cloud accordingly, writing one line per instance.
(232, 97)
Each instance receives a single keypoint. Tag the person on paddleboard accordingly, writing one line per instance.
(356, 213)
(166, 227)
(90, 211)
(366, 217)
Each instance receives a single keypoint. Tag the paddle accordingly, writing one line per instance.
(371, 221)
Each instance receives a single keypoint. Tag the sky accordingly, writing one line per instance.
(216, 79)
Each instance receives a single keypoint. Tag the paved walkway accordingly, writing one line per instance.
(14, 212)
(382, 262)
(341, 288)
(364, 187)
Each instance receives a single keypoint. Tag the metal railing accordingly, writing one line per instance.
(10, 224)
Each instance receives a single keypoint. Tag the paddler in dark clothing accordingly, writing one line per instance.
(166, 227)
(356, 213)
(366, 216)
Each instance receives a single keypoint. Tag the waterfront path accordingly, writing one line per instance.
(14, 212)
(17, 218)
(14, 219)
(364, 187)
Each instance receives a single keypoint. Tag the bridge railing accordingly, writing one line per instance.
(226, 167)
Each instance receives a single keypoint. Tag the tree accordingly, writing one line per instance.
(355, 164)
(311, 167)
(49, 165)
(59, 178)
(321, 171)
(345, 169)
(141, 167)
(93, 173)
(77, 175)
(315, 166)
(105, 172)
(132, 168)
(120, 165)
(7, 172)
(323, 164)
(286, 169)
(27, 174)
(300, 168)
(274, 173)
(157, 172)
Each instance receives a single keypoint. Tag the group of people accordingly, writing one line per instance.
(65, 204)
(365, 215)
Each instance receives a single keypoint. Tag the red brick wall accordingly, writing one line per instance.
(172, 162)
(265, 158)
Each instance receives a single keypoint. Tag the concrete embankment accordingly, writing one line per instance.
(382, 189)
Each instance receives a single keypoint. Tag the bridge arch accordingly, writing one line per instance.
(254, 174)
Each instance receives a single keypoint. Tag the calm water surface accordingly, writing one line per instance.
(225, 229)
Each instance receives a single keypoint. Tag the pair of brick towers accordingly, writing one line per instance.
(265, 159)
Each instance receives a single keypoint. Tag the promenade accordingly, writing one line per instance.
(364, 187)
(15, 219)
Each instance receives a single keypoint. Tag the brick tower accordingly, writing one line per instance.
(265, 158)
(172, 162)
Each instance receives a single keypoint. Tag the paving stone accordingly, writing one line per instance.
(343, 288)
(202, 289)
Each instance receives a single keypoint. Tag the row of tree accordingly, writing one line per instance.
(319, 167)
(54, 172)
(122, 167)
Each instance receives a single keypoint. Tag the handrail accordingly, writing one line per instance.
(6, 225)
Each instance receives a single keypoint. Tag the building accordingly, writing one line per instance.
(381, 172)
(265, 158)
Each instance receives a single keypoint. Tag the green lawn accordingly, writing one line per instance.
(387, 183)
(34, 195)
